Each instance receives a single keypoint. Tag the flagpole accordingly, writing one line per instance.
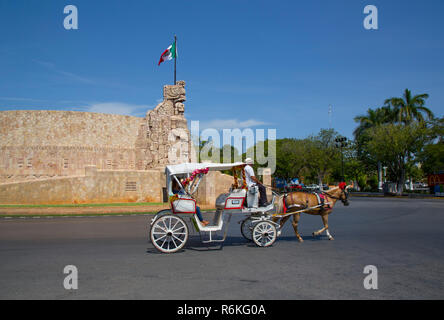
(175, 57)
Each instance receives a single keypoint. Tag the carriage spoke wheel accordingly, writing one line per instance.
(264, 234)
(247, 229)
(169, 234)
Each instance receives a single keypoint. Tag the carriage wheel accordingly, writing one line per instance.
(169, 233)
(247, 229)
(264, 234)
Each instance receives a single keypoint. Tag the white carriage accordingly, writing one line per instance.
(170, 229)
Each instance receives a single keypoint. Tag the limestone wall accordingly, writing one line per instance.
(51, 144)
(95, 186)
(22, 163)
(108, 186)
(43, 154)
(68, 129)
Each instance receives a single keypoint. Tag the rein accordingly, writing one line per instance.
(277, 191)
(329, 195)
(333, 197)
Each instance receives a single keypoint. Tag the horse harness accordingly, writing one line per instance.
(320, 196)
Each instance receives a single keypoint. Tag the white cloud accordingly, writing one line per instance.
(127, 109)
(68, 75)
(220, 124)
(118, 108)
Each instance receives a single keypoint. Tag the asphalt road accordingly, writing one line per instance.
(403, 238)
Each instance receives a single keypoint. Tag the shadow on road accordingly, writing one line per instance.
(195, 244)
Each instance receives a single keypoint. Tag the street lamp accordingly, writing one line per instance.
(341, 143)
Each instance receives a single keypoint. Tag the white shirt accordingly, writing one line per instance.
(249, 172)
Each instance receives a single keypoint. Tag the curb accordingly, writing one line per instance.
(407, 196)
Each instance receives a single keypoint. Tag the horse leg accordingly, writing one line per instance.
(275, 219)
(295, 223)
(325, 221)
(281, 223)
(329, 235)
(283, 220)
(325, 228)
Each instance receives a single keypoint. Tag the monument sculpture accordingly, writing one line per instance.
(164, 137)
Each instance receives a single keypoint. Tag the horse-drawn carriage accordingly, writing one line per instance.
(170, 228)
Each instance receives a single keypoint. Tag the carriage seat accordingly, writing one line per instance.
(184, 204)
(253, 197)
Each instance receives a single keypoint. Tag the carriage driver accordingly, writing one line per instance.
(252, 181)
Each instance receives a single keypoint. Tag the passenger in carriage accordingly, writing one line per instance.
(252, 181)
(178, 190)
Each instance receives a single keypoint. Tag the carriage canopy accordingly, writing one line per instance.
(187, 168)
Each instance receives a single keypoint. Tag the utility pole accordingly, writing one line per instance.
(329, 115)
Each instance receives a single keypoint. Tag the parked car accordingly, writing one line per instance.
(296, 186)
(416, 186)
(420, 185)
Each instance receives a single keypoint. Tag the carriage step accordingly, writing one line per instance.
(212, 241)
(210, 228)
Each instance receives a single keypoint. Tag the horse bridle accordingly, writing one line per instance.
(344, 201)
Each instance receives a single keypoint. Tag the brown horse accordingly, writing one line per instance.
(296, 201)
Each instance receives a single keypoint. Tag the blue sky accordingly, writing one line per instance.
(263, 64)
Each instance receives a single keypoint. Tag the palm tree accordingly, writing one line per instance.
(409, 108)
(373, 118)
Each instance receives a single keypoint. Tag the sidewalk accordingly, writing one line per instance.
(405, 195)
(30, 211)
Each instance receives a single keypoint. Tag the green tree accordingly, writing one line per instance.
(372, 119)
(432, 156)
(354, 168)
(409, 108)
(392, 144)
(321, 154)
(290, 158)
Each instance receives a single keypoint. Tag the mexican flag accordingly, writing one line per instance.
(168, 54)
